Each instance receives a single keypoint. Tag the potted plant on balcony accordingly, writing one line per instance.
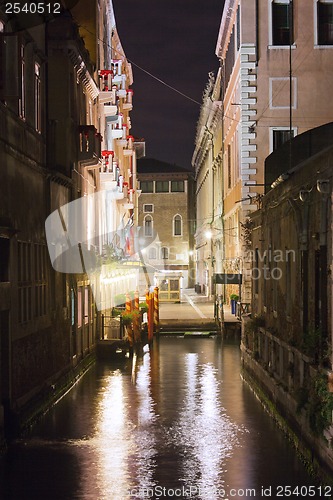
(233, 301)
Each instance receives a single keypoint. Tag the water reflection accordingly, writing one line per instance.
(124, 440)
(206, 434)
(179, 416)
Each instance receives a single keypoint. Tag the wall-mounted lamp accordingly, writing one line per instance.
(323, 186)
(303, 195)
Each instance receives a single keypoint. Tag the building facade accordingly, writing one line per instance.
(287, 342)
(166, 216)
(207, 164)
(65, 142)
(275, 57)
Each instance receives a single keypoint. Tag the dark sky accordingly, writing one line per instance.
(175, 41)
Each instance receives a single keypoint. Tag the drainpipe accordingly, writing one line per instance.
(257, 31)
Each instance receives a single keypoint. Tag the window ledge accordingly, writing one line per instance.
(283, 47)
(323, 46)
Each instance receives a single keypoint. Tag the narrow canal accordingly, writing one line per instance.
(179, 424)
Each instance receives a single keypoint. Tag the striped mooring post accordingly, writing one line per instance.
(151, 317)
(128, 307)
(156, 311)
(136, 322)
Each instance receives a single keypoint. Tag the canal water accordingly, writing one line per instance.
(178, 422)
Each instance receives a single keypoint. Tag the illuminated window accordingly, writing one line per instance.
(22, 84)
(79, 307)
(37, 88)
(86, 305)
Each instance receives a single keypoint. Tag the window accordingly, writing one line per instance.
(256, 271)
(147, 186)
(162, 186)
(25, 282)
(229, 166)
(288, 293)
(177, 186)
(22, 84)
(148, 208)
(37, 87)
(164, 253)
(229, 59)
(238, 29)
(148, 225)
(2, 61)
(282, 22)
(79, 307)
(280, 135)
(4, 259)
(152, 253)
(177, 225)
(325, 22)
(40, 280)
(86, 305)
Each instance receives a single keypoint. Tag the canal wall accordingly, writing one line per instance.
(291, 416)
(28, 415)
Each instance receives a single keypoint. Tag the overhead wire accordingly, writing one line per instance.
(174, 89)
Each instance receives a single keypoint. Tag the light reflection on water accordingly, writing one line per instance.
(206, 434)
(179, 416)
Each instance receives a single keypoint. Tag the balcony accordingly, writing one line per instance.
(117, 133)
(108, 181)
(109, 110)
(108, 96)
(89, 147)
(122, 93)
(116, 66)
(105, 82)
(128, 152)
(128, 104)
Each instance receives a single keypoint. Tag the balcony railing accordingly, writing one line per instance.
(113, 76)
(109, 110)
(107, 161)
(90, 140)
(129, 100)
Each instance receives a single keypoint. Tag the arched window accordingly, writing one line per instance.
(148, 225)
(164, 253)
(177, 225)
(152, 253)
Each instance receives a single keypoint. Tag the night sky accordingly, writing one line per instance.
(175, 41)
